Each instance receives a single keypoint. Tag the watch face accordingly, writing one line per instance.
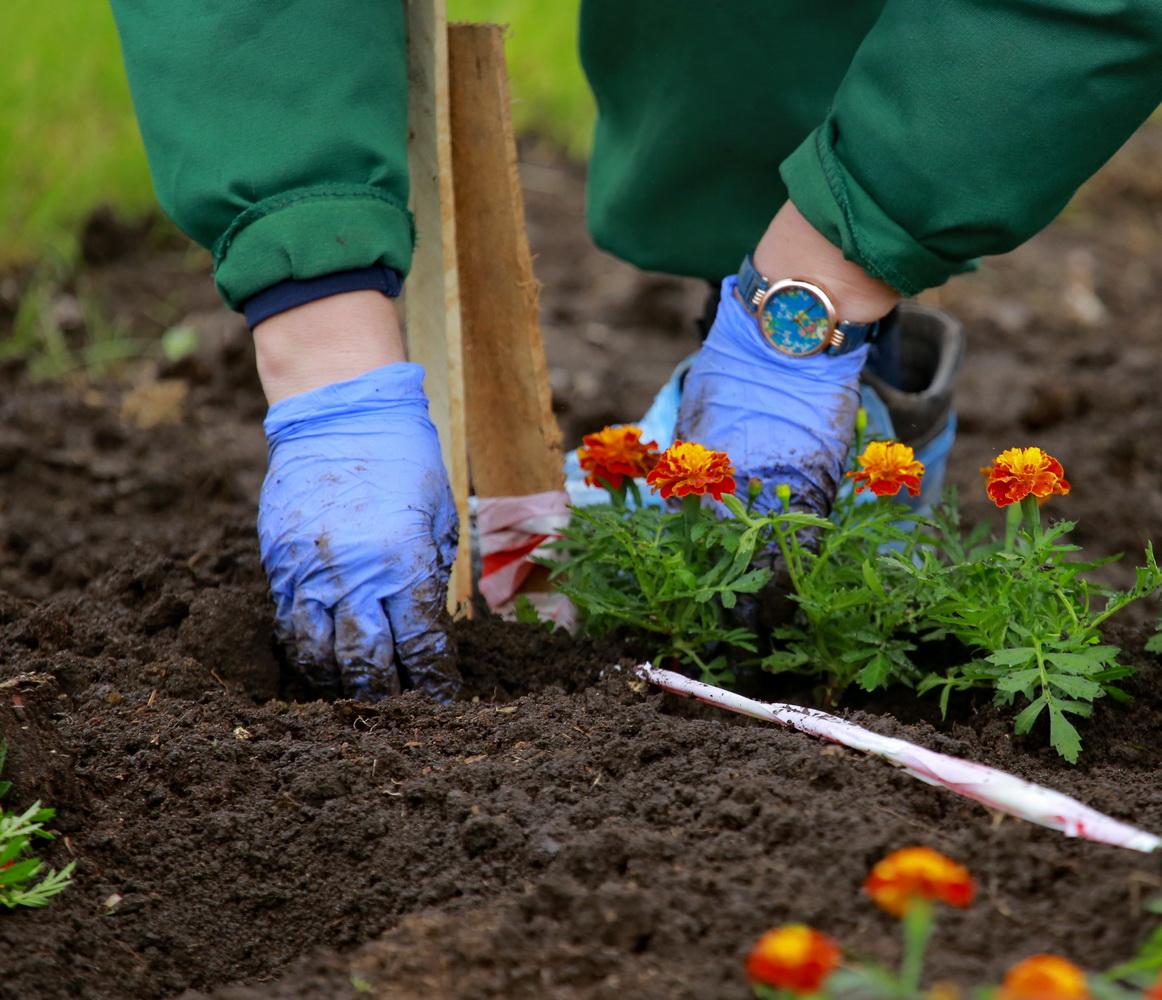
(795, 319)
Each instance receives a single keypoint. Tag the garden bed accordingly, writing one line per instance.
(561, 832)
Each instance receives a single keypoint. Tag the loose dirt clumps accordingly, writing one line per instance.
(561, 831)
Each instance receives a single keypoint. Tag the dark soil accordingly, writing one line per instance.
(561, 832)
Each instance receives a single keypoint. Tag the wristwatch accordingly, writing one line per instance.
(797, 317)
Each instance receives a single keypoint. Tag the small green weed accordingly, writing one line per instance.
(21, 881)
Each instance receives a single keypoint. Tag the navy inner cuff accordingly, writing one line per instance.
(298, 292)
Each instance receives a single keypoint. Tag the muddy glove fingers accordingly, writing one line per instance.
(781, 419)
(356, 516)
(365, 648)
(417, 615)
(305, 628)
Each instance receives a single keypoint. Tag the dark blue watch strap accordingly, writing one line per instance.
(751, 285)
(854, 335)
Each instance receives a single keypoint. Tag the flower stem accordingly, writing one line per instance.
(691, 512)
(616, 494)
(917, 932)
(1012, 526)
(734, 505)
(1032, 515)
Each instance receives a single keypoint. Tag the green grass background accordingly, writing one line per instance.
(68, 141)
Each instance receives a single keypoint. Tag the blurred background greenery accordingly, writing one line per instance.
(68, 141)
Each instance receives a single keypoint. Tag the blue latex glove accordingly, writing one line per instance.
(358, 531)
(781, 419)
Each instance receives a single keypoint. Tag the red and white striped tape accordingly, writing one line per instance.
(990, 787)
(512, 531)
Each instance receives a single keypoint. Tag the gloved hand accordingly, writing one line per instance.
(781, 419)
(357, 529)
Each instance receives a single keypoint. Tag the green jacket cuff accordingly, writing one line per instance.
(308, 233)
(831, 199)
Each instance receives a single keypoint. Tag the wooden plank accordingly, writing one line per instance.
(514, 442)
(433, 293)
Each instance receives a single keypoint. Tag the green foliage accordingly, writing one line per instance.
(526, 613)
(673, 574)
(1030, 618)
(550, 96)
(52, 346)
(857, 603)
(66, 127)
(872, 587)
(21, 881)
(1154, 643)
(1023, 609)
(70, 140)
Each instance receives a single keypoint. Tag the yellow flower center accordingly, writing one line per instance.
(791, 944)
(691, 456)
(1023, 461)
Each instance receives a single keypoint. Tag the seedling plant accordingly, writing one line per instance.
(21, 880)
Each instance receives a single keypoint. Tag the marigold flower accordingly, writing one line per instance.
(888, 467)
(614, 453)
(688, 469)
(1018, 472)
(915, 873)
(793, 957)
(1044, 977)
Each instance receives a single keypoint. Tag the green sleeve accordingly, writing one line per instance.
(964, 126)
(276, 132)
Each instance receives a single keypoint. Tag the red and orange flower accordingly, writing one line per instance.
(614, 453)
(1021, 472)
(793, 957)
(1044, 977)
(918, 873)
(886, 467)
(688, 469)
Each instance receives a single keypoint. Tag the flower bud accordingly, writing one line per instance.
(783, 492)
(795, 958)
(860, 421)
(918, 873)
(754, 488)
(1044, 977)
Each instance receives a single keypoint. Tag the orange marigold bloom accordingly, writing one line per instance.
(688, 469)
(1044, 977)
(793, 957)
(1017, 472)
(888, 467)
(1155, 991)
(915, 873)
(614, 453)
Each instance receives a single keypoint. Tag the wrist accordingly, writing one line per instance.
(325, 341)
(792, 247)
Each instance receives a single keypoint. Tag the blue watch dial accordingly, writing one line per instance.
(795, 321)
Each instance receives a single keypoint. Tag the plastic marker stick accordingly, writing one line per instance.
(994, 789)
